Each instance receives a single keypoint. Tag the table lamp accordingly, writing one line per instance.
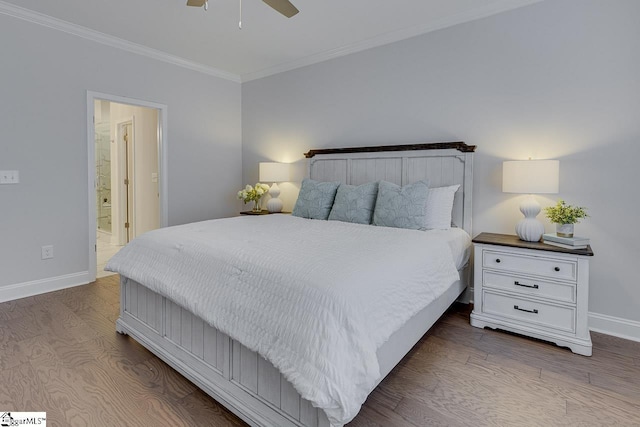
(530, 177)
(274, 172)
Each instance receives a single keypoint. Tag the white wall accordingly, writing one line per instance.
(147, 207)
(45, 76)
(558, 80)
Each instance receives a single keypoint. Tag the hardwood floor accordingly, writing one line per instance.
(59, 353)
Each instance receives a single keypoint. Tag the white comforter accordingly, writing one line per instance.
(315, 298)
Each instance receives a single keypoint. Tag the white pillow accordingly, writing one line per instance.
(439, 207)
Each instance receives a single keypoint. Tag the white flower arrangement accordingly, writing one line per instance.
(255, 193)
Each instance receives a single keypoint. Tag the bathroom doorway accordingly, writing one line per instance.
(128, 186)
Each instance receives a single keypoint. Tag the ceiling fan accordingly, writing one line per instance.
(283, 6)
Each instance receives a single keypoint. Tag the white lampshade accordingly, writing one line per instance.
(274, 172)
(531, 176)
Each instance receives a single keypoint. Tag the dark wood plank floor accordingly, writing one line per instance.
(59, 353)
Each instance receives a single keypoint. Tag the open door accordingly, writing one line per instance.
(125, 181)
(134, 151)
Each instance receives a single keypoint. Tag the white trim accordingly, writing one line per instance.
(131, 164)
(616, 326)
(36, 287)
(163, 154)
(92, 185)
(391, 37)
(109, 40)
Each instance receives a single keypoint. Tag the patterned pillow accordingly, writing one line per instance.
(439, 207)
(315, 199)
(354, 203)
(401, 207)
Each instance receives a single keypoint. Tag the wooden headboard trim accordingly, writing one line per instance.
(460, 146)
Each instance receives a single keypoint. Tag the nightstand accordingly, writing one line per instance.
(262, 212)
(532, 289)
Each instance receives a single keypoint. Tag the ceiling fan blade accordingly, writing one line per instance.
(283, 6)
(196, 3)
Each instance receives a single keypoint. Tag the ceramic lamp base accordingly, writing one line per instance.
(274, 205)
(529, 228)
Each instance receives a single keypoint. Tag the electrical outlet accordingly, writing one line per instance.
(47, 252)
(9, 177)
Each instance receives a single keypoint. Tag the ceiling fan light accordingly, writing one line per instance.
(206, 5)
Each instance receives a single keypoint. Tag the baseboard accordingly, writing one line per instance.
(36, 287)
(609, 325)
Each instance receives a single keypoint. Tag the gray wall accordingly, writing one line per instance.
(558, 80)
(44, 78)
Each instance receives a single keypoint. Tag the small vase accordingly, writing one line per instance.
(256, 206)
(564, 230)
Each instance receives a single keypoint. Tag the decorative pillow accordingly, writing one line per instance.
(439, 207)
(401, 207)
(315, 199)
(354, 203)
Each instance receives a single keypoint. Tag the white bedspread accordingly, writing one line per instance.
(315, 298)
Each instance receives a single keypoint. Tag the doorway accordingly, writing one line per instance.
(127, 183)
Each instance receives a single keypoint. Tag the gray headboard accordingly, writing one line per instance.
(442, 164)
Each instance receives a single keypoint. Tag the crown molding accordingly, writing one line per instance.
(392, 37)
(112, 41)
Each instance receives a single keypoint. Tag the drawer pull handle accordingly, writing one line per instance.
(498, 260)
(557, 268)
(534, 311)
(525, 286)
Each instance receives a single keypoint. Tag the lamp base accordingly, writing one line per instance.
(529, 228)
(274, 205)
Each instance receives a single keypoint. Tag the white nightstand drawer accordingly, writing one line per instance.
(546, 267)
(530, 312)
(557, 291)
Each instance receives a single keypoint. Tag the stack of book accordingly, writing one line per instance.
(565, 242)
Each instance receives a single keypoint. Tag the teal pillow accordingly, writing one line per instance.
(354, 203)
(402, 207)
(315, 199)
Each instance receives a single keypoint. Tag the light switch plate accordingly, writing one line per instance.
(9, 177)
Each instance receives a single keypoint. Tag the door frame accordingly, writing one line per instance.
(162, 110)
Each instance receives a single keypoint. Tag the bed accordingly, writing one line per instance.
(168, 306)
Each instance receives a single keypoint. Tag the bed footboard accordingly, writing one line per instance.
(233, 375)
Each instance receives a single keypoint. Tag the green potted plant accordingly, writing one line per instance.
(565, 216)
